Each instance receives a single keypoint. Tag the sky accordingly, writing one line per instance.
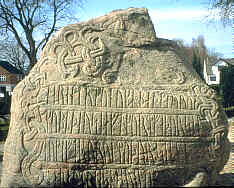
(173, 19)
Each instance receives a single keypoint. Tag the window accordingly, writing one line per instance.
(2, 78)
(213, 78)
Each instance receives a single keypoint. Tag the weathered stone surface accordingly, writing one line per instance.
(110, 105)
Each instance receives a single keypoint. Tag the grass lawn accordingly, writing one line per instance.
(3, 132)
(4, 127)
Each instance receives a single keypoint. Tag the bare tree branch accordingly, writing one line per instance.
(28, 20)
(11, 52)
(220, 10)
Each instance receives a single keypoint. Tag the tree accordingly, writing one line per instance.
(11, 52)
(32, 22)
(197, 65)
(223, 8)
(183, 49)
(196, 53)
(227, 89)
(199, 47)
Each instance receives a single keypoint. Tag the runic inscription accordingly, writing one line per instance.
(114, 126)
(83, 150)
(122, 124)
(116, 98)
(120, 112)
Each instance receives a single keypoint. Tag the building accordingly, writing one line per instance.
(9, 77)
(212, 68)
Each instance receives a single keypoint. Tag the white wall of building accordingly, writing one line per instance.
(214, 79)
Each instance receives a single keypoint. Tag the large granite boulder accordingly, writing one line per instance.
(111, 105)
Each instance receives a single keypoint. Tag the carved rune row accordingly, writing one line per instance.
(79, 156)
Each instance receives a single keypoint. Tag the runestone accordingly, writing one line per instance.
(111, 105)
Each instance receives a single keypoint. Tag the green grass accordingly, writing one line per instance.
(3, 121)
(3, 132)
(229, 108)
(4, 127)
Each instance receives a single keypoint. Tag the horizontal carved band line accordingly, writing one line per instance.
(167, 111)
(124, 138)
(77, 166)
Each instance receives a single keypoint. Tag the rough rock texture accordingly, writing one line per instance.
(110, 105)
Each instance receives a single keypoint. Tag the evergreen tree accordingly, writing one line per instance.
(196, 62)
(227, 89)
